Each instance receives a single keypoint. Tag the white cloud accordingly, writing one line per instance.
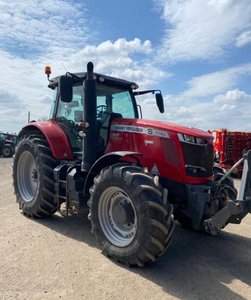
(211, 101)
(30, 26)
(35, 33)
(201, 29)
(130, 60)
(12, 110)
(25, 78)
(216, 82)
(243, 39)
(232, 97)
(230, 110)
(122, 58)
(112, 54)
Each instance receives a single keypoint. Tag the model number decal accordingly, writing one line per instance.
(142, 130)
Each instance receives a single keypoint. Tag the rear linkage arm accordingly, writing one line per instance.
(234, 210)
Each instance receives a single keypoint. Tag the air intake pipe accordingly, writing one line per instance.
(90, 106)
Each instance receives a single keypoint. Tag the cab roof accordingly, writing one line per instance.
(109, 80)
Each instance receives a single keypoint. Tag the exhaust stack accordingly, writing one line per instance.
(89, 117)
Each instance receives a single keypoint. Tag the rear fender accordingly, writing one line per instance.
(56, 137)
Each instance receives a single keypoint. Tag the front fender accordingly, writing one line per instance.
(56, 137)
(105, 161)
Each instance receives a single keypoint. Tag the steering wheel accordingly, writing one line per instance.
(101, 109)
(67, 122)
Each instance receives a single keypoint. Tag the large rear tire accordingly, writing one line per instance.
(33, 176)
(128, 216)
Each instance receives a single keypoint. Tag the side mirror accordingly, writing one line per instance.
(65, 88)
(160, 102)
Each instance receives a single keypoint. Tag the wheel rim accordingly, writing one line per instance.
(6, 152)
(117, 216)
(27, 176)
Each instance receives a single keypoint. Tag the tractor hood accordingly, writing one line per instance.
(163, 126)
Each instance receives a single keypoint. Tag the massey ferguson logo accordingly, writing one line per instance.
(141, 130)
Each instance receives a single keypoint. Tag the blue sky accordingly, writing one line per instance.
(198, 52)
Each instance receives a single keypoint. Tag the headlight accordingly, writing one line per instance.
(201, 141)
(191, 139)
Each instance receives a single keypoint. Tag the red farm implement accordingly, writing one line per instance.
(229, 147)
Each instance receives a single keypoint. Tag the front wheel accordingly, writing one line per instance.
(128, 217)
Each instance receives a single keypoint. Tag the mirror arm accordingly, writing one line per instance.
(145, 92)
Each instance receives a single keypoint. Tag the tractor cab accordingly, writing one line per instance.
(115, 99)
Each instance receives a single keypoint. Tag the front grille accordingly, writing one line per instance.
(198, 159)
(171, 152)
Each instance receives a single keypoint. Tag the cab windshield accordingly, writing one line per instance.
(2, 137)
(109, 99)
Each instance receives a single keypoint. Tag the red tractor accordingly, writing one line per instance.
(135, 176)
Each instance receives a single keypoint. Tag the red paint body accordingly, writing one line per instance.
(163, 152)
(56, 137)
(166, 153)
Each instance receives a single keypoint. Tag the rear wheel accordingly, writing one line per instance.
(128, 217)
(6, 151)
(33, 176)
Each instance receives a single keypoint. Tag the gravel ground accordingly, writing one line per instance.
(58, 258)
